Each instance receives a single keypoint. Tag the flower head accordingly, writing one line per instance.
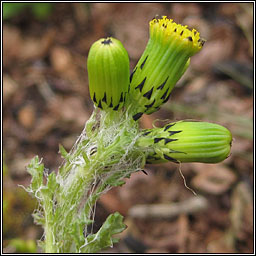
(167, 31)
(186, 141)
(108, 72)
(164, 61)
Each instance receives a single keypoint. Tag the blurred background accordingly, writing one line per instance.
(46, 102)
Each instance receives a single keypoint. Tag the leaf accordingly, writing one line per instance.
(115, 182)
(41, 10)
(36, 169)
(38, 218)
(63, 152)
(23, 246)
(12, 9)
(103, 238)
(52, 183)
(116, 179)
(49, 190)
(77, 231)
(213, 179)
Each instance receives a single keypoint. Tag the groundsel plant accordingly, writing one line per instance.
(112, 146)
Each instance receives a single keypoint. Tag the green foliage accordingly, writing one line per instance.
(36, 169)
(58, 213)
(22, 246)
(13, 199)
(103, 238)
(63, 152)
(38, 10)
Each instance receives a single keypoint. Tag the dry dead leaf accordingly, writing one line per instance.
(45, 124)
(183, 233)
(217, 243)
(69, 109)
(9, 88)
(213, 52)
(27, 116)
(12, 44)
(242, 204)
(213, 179)
(112, 202)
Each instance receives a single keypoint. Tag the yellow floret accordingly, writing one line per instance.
(167, 30)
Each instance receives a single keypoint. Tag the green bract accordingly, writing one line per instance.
(185, 141)
(108, 73)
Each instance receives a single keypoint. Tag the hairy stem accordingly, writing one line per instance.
(92, 167)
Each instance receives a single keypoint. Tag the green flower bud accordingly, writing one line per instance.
(164, 61)
(108, 73)
(185, 141)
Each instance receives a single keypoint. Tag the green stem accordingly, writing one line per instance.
(50, 246)
(49, 239)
